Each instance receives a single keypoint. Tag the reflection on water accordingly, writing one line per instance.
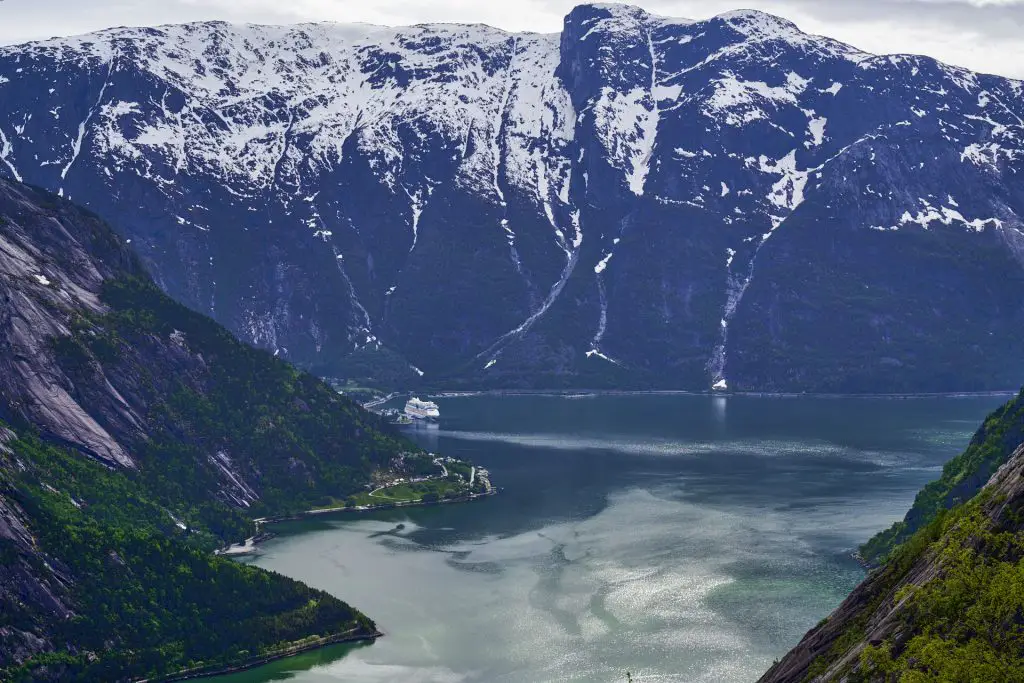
(684, 538)
(308, 665)
(720, 403)
(427, 437)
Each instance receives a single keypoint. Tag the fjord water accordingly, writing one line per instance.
(683, 538)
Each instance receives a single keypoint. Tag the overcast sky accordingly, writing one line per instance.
(985, 35)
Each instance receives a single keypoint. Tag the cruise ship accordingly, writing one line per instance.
(422, 410)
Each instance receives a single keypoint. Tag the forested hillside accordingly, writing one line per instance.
(122, 588)
(139, 436)
(962, 477)
(947, 602)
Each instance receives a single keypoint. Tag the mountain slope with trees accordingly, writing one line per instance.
(947, 603)
(103, 583)
(962, 478)
(139, 436)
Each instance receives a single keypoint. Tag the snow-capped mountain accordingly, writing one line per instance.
(637, 201)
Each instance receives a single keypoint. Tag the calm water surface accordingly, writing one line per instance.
(683, 538)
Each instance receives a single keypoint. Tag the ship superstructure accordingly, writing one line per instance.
(422, 410)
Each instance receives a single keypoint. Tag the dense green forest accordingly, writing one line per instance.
(961, 621)
(967, 624)
(303, 443)
(148, 597)
(962, 478)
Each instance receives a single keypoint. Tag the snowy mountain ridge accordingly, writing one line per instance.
(318, 187)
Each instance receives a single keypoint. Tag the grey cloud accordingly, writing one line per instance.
(1003, 20)
(984, 36)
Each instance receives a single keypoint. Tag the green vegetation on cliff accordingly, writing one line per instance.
(962, 478)
(147, 596)
(431, 491)
(966, 624)
(303, 443)
(947, 604)
(232, 433)
(144, 436)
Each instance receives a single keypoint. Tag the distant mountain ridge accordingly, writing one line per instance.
(635, 202)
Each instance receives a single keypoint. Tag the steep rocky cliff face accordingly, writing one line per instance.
(50, 270)
(946, 606)
(100, 361)
(30, 595)
(638, 201)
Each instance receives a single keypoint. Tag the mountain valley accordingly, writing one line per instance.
(713, 298)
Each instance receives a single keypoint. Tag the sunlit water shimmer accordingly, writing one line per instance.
(683, 538)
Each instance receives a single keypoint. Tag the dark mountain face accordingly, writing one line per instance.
(53, 263)
(638, 201)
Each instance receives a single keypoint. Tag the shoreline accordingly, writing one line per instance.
(249, 545)
(583, 393)
(261, 660)
(371, 508)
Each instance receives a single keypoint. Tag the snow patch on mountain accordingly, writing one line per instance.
(946, 215)
(537, 141)
(740, 102)
(816, 127)
(788, 191)
(6, 154)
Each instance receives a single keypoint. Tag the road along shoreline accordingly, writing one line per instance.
(250, 545)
